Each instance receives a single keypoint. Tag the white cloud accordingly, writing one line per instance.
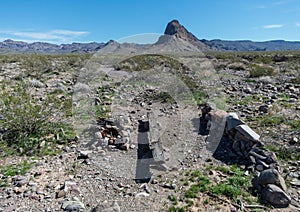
(36, 35)
(56, 36)
(69, 32)
(272, 26)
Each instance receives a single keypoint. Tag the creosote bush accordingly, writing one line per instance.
(260, 70)
(26, 121)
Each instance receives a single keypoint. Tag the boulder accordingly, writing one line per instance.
(275, 196)
(271, 176)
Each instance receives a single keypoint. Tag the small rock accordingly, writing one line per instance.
(125, 147)
(69, 185)
(294, 140)
(20, 180)
(271, 157)
(124, 133)
(132, 146)
(213, 173)
(39, 191)
(42, 144)
(72, 206)
(247, 90)
(107, 207)
(98, 136)
(259, 168)
(60, 194)
(263, 108)
(31, 183)
(18, 190)
(84, 154)
(295, 182)
(169, 186)
(142, 194)
(252, 158)
(38, 173)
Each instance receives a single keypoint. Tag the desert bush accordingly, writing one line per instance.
(35, 65)
(237, 66)
(26, 121)
(265, 59)
(260, 70)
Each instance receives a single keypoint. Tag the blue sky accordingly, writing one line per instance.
(66, 21)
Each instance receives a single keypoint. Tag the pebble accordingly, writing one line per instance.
(69, 185)
(142, 194)
(60, 194)
(72, 205)
(31, 183)
(295, 182)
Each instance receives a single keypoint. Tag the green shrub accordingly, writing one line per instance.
(15, 169)
(227, 190)
(28, 120)
(260, 70)
(200, 186)
(173, 199)
(265, 59)
(273, 120)
(176, 209)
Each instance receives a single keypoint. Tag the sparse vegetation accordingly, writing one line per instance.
(28, 121)
(102, 109)
(261, 70)
(149, 61)
(12, 170)
(236, 186)
(284, 153)
(162, 97)
(35, 125)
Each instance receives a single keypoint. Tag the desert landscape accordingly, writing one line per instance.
(179, 125)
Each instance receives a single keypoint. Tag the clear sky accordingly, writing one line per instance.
(66, 21)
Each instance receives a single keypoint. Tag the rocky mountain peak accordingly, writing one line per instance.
(177, 35)
(174, 28)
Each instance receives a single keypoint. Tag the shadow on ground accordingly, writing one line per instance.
(224, 151)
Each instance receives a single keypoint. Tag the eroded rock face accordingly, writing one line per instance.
(275, 195)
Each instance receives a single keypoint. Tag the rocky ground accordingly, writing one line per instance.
(103, 175)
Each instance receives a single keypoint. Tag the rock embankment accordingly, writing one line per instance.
(247, 145)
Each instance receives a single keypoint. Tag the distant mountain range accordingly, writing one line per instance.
(176, 38)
